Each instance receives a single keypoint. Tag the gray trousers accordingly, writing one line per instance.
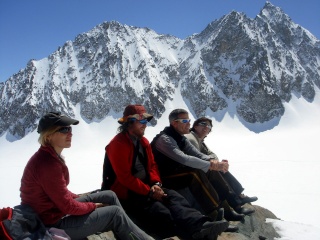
(102, 219)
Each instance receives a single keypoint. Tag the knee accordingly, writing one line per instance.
(112, 193)
(109, 194)
(114, 209)
(173, 193)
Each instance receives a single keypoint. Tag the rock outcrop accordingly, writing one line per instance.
(254, 227)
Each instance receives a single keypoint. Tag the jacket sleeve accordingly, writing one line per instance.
(191, 157)
(120, 154)
(54, 184)
(211, 154)
(200, 145)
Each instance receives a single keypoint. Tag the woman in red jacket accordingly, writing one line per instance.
(44, 188)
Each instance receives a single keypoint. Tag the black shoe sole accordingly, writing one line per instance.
(248, 212)
(232, 229)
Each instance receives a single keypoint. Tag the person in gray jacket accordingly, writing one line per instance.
(182, 165)
(199, 131)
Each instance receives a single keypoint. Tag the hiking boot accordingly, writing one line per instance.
(233, 216)
(243, 210)
(245, 199)
(211, 230)
(220, 215)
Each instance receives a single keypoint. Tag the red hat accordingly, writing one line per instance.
(135, 111)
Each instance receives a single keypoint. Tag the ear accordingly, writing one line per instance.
(173, 123)
(48, 139)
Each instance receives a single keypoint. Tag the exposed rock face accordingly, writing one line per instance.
(246, 67)
(254, 227)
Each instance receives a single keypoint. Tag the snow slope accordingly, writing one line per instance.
(280, 166)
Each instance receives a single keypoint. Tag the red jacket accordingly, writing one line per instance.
(120, 152)
(44, 188)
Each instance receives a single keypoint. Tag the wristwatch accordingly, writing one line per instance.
(159, 184)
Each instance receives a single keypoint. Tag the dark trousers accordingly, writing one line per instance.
(209, 189)
(223, 188)
(174, 213)
(197, 183)
(233, 182)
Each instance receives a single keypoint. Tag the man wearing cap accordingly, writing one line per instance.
(138, 184)
(44, 188)
(181, 166)
(199, 131)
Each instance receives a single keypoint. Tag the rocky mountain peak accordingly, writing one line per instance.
(273, 13)
(245, 67)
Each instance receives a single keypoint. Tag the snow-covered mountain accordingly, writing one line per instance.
(245, 67)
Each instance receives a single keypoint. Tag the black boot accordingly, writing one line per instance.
(232, 215)
(243, 210)
(220, 214)
(245, 199)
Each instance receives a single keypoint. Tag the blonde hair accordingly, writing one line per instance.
(43, 138)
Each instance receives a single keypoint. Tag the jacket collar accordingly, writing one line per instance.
(180, 139)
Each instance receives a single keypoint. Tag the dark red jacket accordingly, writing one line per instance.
(120, 152)
(44, 188)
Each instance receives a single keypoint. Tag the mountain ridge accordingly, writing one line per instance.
(247, 67)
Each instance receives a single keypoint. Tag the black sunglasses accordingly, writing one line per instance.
(204, 124)
(65, 130)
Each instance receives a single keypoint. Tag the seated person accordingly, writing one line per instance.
(138, 184)
(182, 165)
(44, 189)
(199, 131)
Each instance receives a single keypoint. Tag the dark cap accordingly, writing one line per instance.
(135, 111)
(55, 119)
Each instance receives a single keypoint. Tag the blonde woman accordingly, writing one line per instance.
(44, 188)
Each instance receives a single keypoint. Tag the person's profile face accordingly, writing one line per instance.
(182, 124)
(203, 128)
(138, 127)
(61, 138)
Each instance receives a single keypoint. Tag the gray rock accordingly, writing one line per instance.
(254, 227)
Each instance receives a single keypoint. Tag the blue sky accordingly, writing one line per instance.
(34, 29)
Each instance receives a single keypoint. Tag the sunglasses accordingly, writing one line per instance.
(65, 130)
(204, 124)
(183, 120)
(142, 121)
